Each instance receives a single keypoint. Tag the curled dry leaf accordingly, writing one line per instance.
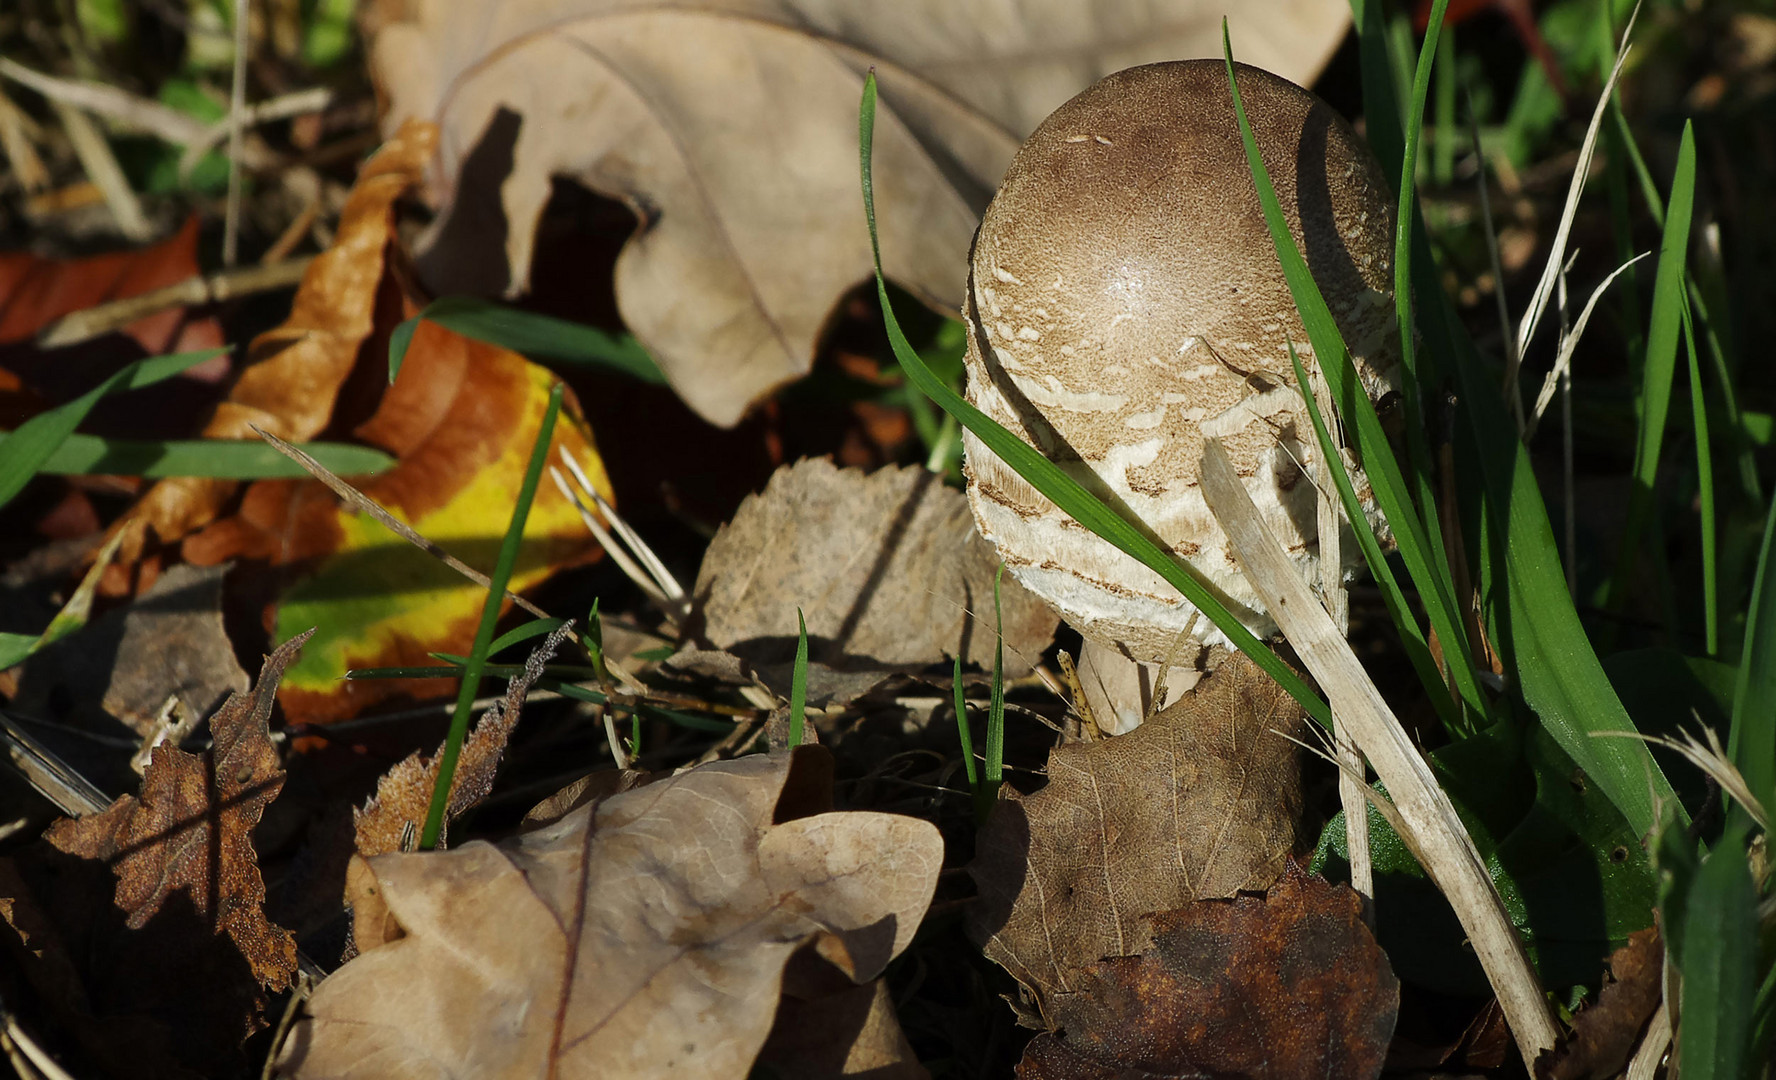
(730, 127)
(293, 374)
(404, 794)
(886, 568)
(1605, 1034)
(643, 935)
(192, 829)
(1201, 801)
(1289, 986)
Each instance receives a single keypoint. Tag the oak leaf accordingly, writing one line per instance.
(730, 128)
(886, 567)
(646, 934)
(191, 830)
(1203, 800)
(1288, 986)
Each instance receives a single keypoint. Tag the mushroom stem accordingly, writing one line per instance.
(1120, 692)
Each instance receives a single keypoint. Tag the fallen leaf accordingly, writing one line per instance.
(292, 375)
(192, 829)
(1203, 800)
(886, 567)
(169, 642)
(1288, 986)
(404, 794)
(730, 128)
(35, 292)
(1605, 1034)
(462, 420)
(646, 934)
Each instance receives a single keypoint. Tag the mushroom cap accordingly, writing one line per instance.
(1125, 302)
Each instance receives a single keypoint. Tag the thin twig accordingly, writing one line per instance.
(237, 108)
(283, 107)
(27, 167)
(193, 291)
(119, 106)
(103, 170)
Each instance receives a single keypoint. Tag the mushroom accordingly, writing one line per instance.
(1125, 302)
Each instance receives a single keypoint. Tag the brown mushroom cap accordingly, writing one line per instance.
(1125, 302)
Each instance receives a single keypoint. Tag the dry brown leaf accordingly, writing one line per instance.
(192, 829)
(851, 1033)
(1201, 801)
(730, 127)
(644, 935)
(886, 568)
(1289, 986)
(293, 374)
(1605, 1034)
(170, 641)
(404, 794)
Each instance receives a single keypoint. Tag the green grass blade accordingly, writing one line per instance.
(994, 773)
(1423, 561)
(490, 611)
(1048, 478)
(535, 628)
(1705, 484)
(1411, 637)
(1660, 365)
(963, 735)
(224, 459)
(798, 683)
(1448, 138)
(528, 333)
(1751, 741)
(33, 442)
(1381, 104)
(1720, 963)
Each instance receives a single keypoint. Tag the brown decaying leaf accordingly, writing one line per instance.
(292, 375)
(171, 640)
(854, 1032)
(730, 127)
(1289, 986)
(644, 935)
(886, 567)
(1604, 1034)
(404, 793)
(35, 292)
(192, 829)
(1203, 800)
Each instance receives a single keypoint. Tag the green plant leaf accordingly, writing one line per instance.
(1048, 478)
(226, 459)
(963, 735)
(1660, 365)
(1719, 967)
(33, 442)
(490, 611)
(798, 683)
(1751, 740)
(537, 336)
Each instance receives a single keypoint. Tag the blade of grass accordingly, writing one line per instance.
(1443, 153)
(798, 682)
(1705, 484)
(490, 612)
(220, 458)
(32, 443)
(1381, 104)
(994, 773)
(535, 628)
(1422, 560)
(1751, 740)
(1411, 637)
(963, 735)
(1660, 364)
(528, 333)
(1048, 478)
(1720, 963)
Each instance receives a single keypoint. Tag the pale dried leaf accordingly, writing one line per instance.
(643, 935)
(886, 567)
(1201, 801)
(730, 126)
